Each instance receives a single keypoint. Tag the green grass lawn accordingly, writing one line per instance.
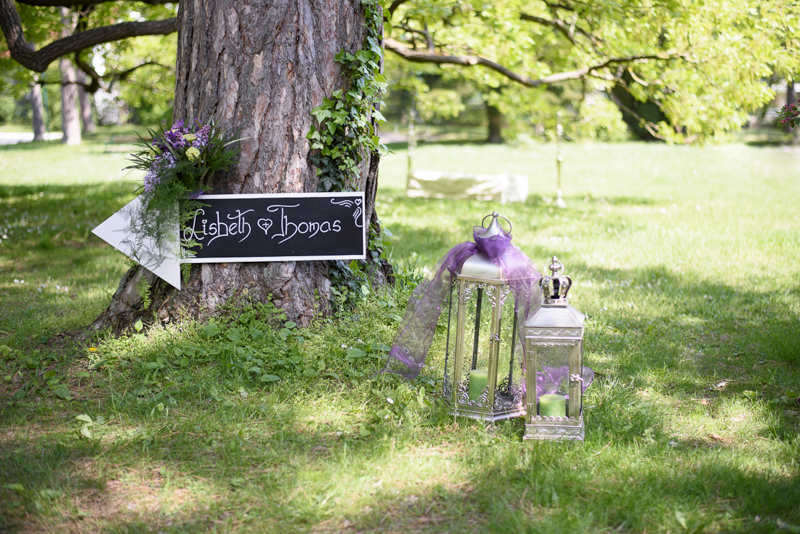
(686, 261)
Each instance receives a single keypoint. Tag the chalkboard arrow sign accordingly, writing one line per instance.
(282, 227)
(248, 228)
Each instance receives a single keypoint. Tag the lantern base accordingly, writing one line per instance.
(546, 429)
(505, 406)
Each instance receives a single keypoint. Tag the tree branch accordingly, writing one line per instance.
(561, 26)
(38, 61)
(557, 24)
(552, 5)
(471, 61)
(394, 6)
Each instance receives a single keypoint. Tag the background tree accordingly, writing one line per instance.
(700, 63)
(109, 43)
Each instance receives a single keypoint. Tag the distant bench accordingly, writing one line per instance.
(497, 187)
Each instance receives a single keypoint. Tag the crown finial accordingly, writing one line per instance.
(555, 286)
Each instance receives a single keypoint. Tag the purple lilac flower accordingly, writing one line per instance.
(150, 181)
(174, 136)
(202, 136)
(160, 164)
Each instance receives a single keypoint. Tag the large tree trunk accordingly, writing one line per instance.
(258, 69)
(70, 122)
(84, 99)
(37, 104)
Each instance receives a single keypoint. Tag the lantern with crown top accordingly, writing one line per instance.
(555, 378)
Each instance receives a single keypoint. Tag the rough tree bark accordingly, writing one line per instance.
(258, 68)
(85, 102)
(37, 104)
(70, 121)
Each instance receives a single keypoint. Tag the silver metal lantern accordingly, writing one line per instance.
(481, 378)
(554, 363)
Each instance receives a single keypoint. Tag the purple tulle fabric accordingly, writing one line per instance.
(415, 335)
(554, 380)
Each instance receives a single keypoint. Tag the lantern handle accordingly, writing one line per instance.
(496, 216)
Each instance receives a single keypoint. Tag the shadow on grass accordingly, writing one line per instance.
(281, 473)
(29, 145)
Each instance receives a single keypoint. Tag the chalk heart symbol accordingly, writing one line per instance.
(265, 224)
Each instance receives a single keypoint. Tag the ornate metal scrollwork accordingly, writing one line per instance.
(556, 332)
(568, 343)
(492, 292)
(466, 291)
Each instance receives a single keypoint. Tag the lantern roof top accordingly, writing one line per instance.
(480, 267)
(559, 316)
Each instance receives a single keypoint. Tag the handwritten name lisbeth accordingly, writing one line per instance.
(208, 227)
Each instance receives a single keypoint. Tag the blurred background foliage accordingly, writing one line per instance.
(701, 69)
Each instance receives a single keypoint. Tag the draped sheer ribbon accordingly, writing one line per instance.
(415, 335)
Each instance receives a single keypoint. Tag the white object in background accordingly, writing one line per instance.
(434, 184)
(116, 232)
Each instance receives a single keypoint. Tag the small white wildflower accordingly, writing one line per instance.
(344, 346)
(673, 443)
(16, 281)
(389, 400)
(361, 341)
(58, 287)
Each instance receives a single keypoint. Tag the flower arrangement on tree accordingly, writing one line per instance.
(178, 165)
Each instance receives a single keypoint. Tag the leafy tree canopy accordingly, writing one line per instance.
(702, 61)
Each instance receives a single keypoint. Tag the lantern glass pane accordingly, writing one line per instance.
(477, 350)
(553, 369)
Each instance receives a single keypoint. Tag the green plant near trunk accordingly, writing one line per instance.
(345, 133)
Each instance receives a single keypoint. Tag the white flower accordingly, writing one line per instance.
(389, 400)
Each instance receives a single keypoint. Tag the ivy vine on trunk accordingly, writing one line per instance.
(345, 132)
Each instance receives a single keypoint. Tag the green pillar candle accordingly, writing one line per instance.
(553, 405)
(477, 383)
